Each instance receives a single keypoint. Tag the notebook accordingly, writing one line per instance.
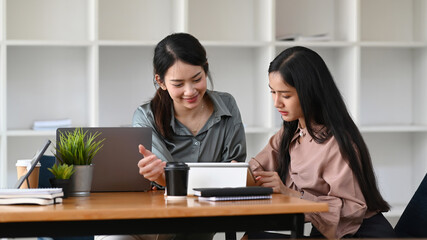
(40, 196)
(233, 193)
(216, 174)
(116, 168)
(34, 162)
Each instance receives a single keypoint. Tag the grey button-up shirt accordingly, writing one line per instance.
(221, 139)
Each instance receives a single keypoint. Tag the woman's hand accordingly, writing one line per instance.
(151, 167)
(272, 179)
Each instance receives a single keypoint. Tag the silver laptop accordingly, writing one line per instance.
(116, 168)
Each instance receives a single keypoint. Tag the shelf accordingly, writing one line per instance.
(398, 154)
(234, 44)
(388, 153)
(119, 43)
(135, 20)
(391, 83)
(401, 20)
(49, 43)
(310, 17)
(45, 20)
(239, 44)
(382, 44)
(2, 12)
(328, 44)
(247, 27)
(54, 85)
(125, 82)
(260, 130)
(246, 69)
(30, 133)
(393, 128)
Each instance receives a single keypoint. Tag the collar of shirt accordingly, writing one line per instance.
(300, 132)
(220, 110)
(318, 131)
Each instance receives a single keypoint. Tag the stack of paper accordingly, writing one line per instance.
(38, 196)
(233, 193)
(51, 124)
(305, 38)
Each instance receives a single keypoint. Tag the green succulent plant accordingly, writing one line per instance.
(77, 147)
(62, 171)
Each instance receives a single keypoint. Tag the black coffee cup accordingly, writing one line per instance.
(176, 178)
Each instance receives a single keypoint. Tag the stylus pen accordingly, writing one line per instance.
(158, 186)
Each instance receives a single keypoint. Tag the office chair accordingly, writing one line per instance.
(44, 175)
(413, 222)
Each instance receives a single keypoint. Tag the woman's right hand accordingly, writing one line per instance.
(272, 179)
(151, 167)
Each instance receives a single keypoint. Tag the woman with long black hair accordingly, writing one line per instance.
(319, 153)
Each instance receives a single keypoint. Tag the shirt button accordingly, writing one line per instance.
(197, 143)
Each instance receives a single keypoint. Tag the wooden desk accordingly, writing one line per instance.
(149, 212)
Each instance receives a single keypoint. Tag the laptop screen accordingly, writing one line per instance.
(115, 165)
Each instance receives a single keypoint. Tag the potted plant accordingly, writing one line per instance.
(78, 148)
(62, 173)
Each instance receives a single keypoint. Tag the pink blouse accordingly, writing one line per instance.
(324, 175)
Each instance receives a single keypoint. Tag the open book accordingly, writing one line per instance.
(39, 196)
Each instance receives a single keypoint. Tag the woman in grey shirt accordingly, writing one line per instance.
(189, 122)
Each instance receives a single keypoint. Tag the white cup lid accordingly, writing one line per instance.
(25, 163)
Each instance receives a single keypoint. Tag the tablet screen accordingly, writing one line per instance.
(216, 174)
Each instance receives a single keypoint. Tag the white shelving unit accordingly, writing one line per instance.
(90, 60)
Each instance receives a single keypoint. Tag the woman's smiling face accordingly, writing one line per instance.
(186, 85)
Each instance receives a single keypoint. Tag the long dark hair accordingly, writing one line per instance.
(322, 104)
(177, 46)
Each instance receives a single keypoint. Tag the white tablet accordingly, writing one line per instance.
(216, 174)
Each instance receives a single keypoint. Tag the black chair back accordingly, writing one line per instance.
(413, 222)
(44, 175)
